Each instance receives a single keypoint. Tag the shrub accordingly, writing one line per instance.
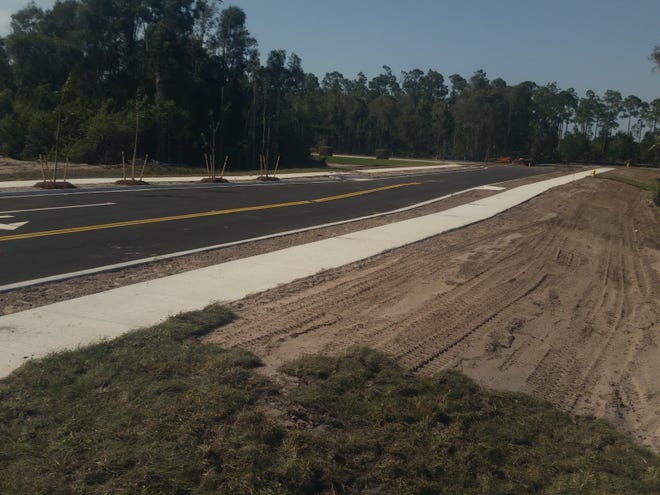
(325, 150)
(106, 135)
(382, 154)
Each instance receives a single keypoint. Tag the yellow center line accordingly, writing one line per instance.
(188, 216)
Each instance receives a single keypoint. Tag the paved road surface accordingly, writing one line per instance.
(70, 231)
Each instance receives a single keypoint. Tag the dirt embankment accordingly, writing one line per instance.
(559, 298)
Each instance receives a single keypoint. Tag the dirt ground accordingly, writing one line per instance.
(558, 298)
(10, 168)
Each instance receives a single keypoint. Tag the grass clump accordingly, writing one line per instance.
(388, 432)
(626, 180)
(140, 414)
(373, 162)
(157, 412)
(653, 187)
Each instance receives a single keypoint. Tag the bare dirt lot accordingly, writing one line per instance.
(558, 298)
(11, 169)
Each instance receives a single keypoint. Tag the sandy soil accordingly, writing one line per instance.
(10, 168)
(559, 298)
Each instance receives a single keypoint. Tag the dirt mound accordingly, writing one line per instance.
(131, 182)
(214, 180)
(47, 184)
(558, 298)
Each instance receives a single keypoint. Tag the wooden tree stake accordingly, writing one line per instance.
(277, 164)
(224, 166)
(144, 165)
(48, 174)
(208, 168)
(43, 170)
(213, 166)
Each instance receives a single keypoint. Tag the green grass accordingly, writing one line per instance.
(394, 433)
(157, 412)
(373, 162)
(653, 187)
(648, 186)
(284, 171)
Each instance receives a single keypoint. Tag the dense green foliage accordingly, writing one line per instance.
(189, 75)
(156, 411)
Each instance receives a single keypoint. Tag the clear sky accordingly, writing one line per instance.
(584, 44)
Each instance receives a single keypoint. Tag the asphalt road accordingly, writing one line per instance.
(77, 230)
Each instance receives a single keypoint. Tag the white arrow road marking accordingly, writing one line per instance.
(11, 226)
(16, 225)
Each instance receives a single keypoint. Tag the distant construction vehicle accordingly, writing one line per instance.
(515, 161)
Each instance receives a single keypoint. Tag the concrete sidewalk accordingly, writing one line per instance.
(15, 184)
(85, 320)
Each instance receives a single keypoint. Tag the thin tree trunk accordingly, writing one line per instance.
(57, 140)
(135, 142)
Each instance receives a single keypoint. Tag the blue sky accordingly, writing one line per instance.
(585, 44)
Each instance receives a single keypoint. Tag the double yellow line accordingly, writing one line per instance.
(212, 213)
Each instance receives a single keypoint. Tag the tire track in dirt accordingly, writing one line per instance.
(557, 298)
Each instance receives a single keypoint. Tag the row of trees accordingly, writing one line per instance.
(189, 75)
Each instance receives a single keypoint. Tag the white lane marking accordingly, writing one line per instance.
(57, 208)
(12, 226)
(118, 266)
(490, 188)
(157, 188)
(127, 264)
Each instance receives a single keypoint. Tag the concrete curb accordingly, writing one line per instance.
(15, 184)
(128, 264)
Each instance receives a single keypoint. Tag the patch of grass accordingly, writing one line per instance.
(393, 433)
(373, 162)
(155, 411)
(144, 413)
(648, 186)
(284, 171)
(653, 186)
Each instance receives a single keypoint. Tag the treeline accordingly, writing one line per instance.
(83, 76)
